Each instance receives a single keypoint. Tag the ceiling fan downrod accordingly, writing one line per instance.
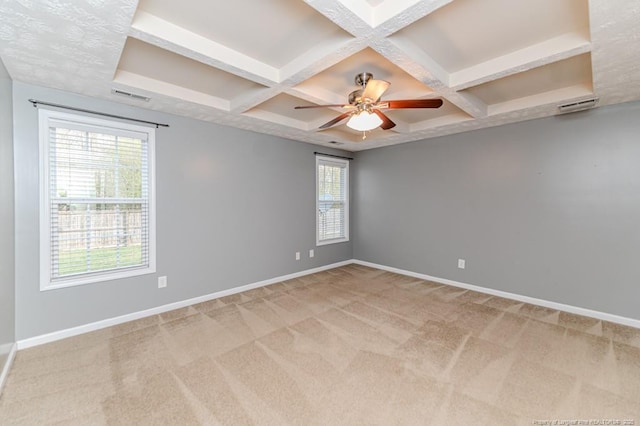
(363, 78)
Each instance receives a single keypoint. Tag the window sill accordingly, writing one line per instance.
(47, 285)
(332, 241)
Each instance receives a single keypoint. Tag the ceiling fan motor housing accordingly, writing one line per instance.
(355, 97)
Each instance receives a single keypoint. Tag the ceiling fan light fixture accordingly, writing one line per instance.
(364, 121)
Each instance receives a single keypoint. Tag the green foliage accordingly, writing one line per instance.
(98, 259)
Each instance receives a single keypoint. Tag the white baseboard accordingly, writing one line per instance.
(86, 328)
(532, 300)
(7, 365)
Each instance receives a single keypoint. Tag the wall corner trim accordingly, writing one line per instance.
(7, 366)
(532, 300)
(86, 328)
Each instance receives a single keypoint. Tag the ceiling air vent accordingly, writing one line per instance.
(130, 95)
(335, 143)
(578, 106)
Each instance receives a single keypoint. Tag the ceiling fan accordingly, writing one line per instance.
(364, 107)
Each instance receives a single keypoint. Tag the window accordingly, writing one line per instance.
(97, 215)
(332, 200)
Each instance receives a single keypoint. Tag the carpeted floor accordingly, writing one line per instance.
(352, 345)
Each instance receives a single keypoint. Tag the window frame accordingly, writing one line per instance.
(46, 282)
(320, 159)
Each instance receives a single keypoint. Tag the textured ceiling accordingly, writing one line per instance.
(247, 63)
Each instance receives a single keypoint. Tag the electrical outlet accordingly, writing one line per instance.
(311, 253)
(162, 282)
(297, 255)
(461, 263)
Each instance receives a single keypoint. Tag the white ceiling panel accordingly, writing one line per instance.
(153, 62)
(282, 108)
(274, 32)
(468, 32)
(340, 78)
(558, 75)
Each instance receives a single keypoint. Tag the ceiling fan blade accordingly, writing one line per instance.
(411, 103)
(323, 106)
(336, 120)
(386, 121)
(374, 90)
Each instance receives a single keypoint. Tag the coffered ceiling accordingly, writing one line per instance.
(248, 63)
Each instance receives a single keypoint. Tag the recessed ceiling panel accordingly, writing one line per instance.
(159, 64)
(468, 32)
(284, 105)
(274, 32)
(339, 79)
(558, 75)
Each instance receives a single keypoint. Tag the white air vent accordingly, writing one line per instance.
(578, 106)
(130, 95)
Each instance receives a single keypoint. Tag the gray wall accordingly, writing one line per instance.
(232, 208)
(548, 208)
(7, 283)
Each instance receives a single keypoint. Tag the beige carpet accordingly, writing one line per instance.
(352, 346)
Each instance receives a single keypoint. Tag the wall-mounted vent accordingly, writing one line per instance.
(578, 106)
(130, 95)
(335, 143)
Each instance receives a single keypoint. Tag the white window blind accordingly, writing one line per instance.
(97, 194)
(332, 198)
